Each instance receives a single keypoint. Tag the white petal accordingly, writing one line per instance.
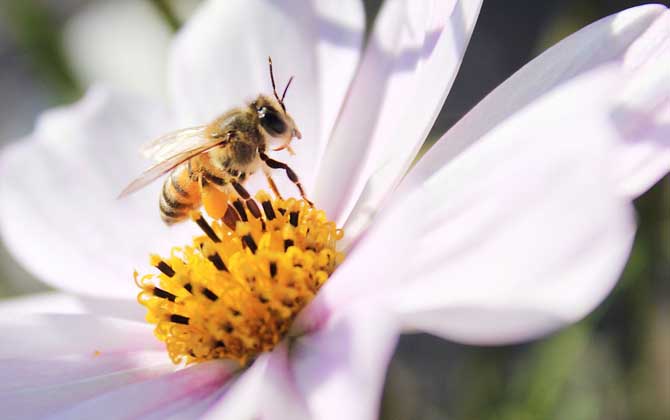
(525, 231)
(35, 374)
(244, 394)
(219, 61)
(340, 369)
(409, 65)
(624, 38)
(341, 27)
(63, 303)
(41, 303)
(76, 366)
(643, 116)
(133, 58)
(59, 215)
(266, 390)
(336, 371)
(169, 395)
(35, 388)
(35, 336)
(526, 221)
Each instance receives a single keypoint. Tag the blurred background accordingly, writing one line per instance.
(615, 364)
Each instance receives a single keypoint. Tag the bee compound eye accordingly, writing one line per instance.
(272, 121)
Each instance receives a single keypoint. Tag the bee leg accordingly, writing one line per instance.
(272, 184)
(275, 164)
(244, 194)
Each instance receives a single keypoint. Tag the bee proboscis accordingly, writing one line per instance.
(208, 160)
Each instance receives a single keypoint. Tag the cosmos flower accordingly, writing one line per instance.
(517, 222)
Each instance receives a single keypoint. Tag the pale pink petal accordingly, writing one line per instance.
(64, 303)
(526, 221)
(340, 368)
(219, 61)
(525, 231)
(626, 38)
(79, 366)
(59, 215)
(282, 398)
(35, 388)
(643, 116)
(22, 374)
(173, 394)
(243, 397)
(35, 336)
(41, 303)
(409, 65)
(267, 390)
(336, 371)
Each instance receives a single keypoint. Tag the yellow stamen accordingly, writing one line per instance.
(235, 291)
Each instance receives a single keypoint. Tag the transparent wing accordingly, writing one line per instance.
(164, 167)
(197, 145)
(176, 143)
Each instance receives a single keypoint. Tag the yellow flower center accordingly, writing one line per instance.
(235, 291)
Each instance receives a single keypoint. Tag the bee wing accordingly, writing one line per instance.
(175, 143)
(160, 168)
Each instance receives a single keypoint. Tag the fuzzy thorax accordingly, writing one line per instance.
(234, 292)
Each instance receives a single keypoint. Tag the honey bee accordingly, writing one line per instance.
(210, 160)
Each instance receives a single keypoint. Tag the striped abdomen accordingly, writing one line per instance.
(197, 182)
(180, 195)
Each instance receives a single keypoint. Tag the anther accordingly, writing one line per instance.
(206, 228)
(218, 262)
(288, 243)
(249, 242)
(273, 268)
(209, 294)
(293, 218)
(165, 268)
(240, 210)
(269, 211)
(179, 319)
(164, 294)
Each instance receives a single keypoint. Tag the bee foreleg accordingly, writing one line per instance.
(275, 164)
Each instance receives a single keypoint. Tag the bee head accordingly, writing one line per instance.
(277, 124)
(274, 119)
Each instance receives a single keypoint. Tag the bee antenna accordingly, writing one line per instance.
(272, 78)
(285, 89)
